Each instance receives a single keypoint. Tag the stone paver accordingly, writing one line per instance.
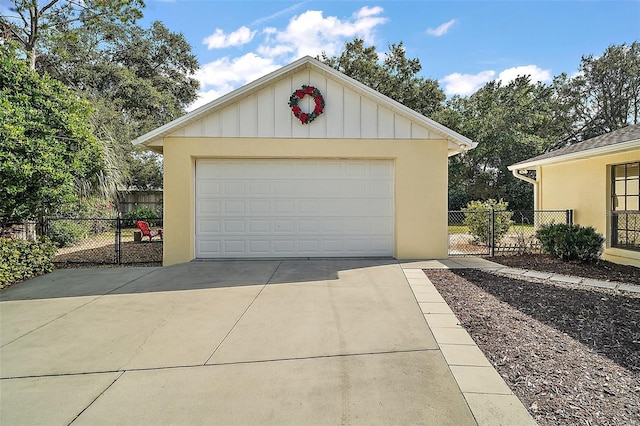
(442, 320)
(498, 410)
(536, 274)
(491, 401)
(480, 380)
(452, 336)
(629, 287)
(600, 284)
(566, 279)
(469, 355)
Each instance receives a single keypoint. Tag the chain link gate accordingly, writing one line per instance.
(100, 241)
(495, 232)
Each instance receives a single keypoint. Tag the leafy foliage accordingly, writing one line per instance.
(46, 145)
(22, 259)
(397, 76)
(571, 242)
(33, 22)
(65, 233)
(137, 79)
(477, 218)
(140, 213)
(604, 95)
(510, 122)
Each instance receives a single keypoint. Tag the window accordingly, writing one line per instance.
(625, 206)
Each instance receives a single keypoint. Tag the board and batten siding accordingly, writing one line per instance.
(266, 114)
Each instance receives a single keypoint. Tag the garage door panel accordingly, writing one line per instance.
(380, 189)
(288, 208)
(235, 189)
(208, 207)
(209, 226)
(208, 187)
(258, 188)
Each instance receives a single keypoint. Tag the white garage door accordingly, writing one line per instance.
(294, 208)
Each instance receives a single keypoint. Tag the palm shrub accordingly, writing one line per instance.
(477, 218)
(571, 242)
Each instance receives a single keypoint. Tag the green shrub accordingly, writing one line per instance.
(571, 242)
(66, 233)
(140, 213)
(477, 217)
(22, 259)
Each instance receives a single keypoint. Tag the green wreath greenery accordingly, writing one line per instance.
(306, 117)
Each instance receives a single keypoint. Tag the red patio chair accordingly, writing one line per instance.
(144, 228)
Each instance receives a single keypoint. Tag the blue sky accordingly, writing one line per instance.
(462, 44)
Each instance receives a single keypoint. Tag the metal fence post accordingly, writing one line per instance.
(118, 237)
(492, 238)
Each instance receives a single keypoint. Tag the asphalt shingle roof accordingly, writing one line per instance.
(626, 134)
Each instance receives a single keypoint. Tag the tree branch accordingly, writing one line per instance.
(46, 7)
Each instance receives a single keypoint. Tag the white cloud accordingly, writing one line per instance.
(223, 75)
(311, 33)
(368, 11)
(537, 74)
(204, 97)
(219, 39)
(442, 29)
(465, 84)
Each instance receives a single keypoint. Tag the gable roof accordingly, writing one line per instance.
(616, 141)
(180, 126)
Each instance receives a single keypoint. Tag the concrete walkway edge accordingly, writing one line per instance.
(489, 398)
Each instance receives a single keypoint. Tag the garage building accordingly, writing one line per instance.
(304, 162)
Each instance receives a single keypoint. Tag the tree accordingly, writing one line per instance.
(46, 144)
(135, 78)
(604, 96)
(396, 77)
(511, 123)
(31, 21)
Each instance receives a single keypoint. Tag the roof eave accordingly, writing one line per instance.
(581, 155)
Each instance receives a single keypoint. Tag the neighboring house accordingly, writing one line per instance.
(245, 178)
(599, 179)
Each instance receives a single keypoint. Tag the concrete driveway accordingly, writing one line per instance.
(223, 342)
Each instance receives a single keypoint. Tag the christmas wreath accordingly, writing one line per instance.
(306, 117)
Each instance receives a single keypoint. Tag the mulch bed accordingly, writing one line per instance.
(132, 254)
(601, 270)
(572, 355)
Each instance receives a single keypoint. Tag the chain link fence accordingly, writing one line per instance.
(499, 232)
(103, 241)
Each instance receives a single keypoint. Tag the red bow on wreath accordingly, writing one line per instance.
(306, 117)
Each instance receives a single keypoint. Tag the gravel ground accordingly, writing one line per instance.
(103, 255)
(572, 355)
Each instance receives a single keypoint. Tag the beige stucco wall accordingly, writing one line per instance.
(420, 185)
(584, 186)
